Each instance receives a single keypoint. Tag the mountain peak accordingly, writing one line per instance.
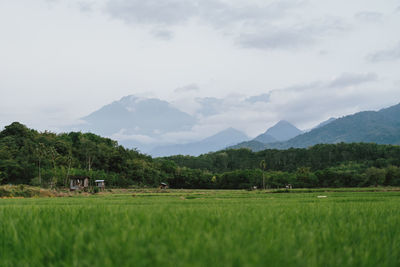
(138, 115)
(283, 130)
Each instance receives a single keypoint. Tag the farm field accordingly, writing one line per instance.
(202, 228)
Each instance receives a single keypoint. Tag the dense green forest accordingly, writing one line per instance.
(48, 159)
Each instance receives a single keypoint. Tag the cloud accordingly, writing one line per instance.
(369, 16)
(288, 38)
(390, 54)
(259, 98)
(209, 106)
(168, 12)
(252, 25)
(163, 34)
(122, 135)
(305, 105)
(292, 36)
(215, 12)
(85, 6)
(187, 88)
(350, 79)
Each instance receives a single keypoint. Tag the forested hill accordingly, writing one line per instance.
(381, 127)
(30, 157)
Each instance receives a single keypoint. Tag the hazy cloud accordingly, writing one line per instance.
(152, 11)
(288, 38)
(215, 12)
(350, 79)
(209, 106)
(390, 54)
(259, 98)
(291, 36)
(187, 88)
(85, 6)
(250, 23)
(163, 34)
(369, 16)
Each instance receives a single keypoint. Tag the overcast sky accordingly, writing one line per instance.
(309, 60)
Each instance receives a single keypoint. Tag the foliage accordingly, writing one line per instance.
(48, 160)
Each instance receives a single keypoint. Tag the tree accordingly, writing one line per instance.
(375, 176)
(263, 166)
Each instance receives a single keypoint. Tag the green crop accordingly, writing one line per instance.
(203, 228)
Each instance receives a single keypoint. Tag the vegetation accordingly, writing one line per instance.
(327, 165)
(202, 228)
(11, 191)
(48, 160)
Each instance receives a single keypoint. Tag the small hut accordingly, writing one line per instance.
(78, 182)
(163, 186)
(100, 184)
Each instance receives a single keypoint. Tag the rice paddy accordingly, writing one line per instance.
(202, 228)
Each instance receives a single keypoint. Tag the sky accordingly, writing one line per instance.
(261, 61)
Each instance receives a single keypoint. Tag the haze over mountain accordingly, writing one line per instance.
(381, 127)
(159, 128)
(281, 131)
(134, 115)
(216, 142)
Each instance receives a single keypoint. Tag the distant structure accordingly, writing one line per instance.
(78, 182)
(163, 186)
(100, 184)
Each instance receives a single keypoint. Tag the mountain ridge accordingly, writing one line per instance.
(381, 127)
(212, 143)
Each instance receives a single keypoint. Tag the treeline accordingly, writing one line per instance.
(324, 165)
(48, 159)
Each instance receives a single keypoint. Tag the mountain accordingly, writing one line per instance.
(140, 116)
(325, 123)
(281, 131)
(381, 127)
(252, 145)
(265, 138)
(216, 142)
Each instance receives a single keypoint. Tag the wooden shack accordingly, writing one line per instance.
(100, 184)
(163, 186)
(77, 182)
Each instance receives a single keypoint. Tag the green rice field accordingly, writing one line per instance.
(202, 228)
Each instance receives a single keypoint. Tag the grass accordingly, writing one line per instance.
(202, 228)
(21, 191)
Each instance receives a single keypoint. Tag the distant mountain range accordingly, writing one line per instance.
(144, 122)
(381, 127)
(213, 143)
(281, 131)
